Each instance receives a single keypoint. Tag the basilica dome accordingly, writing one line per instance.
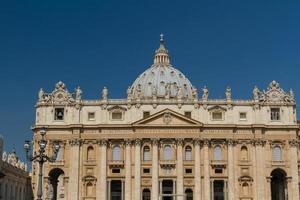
(162, 80)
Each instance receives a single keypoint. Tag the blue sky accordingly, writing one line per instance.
(109, 43)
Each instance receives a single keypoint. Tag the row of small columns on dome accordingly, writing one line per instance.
(155, 183)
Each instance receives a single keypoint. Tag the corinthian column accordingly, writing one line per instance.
(154, 195)
(179, 169)
(294, 169)
(260, 172)
(231, 185)
(197, 170)
(74, 169)
(137, 170)
(101, 192)
(206, 171)
(128, 170)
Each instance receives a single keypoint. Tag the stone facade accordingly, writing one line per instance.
(15, 183)
(165, 142)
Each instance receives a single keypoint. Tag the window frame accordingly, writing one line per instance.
(243, 119)
(63, 117)
(271, 114)
(89, 117)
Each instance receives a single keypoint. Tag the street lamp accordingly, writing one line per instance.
(41, 158)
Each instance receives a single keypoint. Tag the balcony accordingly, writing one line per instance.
(218, 163)
(167, 163)
(57, 163)
(116, 163)
(278, 163)
(90, 162)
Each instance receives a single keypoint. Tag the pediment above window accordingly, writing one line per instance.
(217, 108)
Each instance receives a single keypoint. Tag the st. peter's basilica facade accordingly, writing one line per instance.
(165, 142)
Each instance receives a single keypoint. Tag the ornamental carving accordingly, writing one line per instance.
(60, 95)
(294, 143)
(258, 142)
(197, 141)
(76, 142)
(231, 142)
(274, 94)
(206, 142)
(138, 142)
(128, 142)
(167, 118)
(180, 141)
(155, 141)
(102, 142)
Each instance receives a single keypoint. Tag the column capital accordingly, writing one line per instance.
(294, 143)
(128, 142)
(231, 142)
(179, 141)
(102, 142)
(197, 141)
(206, 142)
(75, 142)
(138, 142)
(155, 141)
(258, 142)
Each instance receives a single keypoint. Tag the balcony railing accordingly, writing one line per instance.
(218, 163)
(116, 163)
(167, 163)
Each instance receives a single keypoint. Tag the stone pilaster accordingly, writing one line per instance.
(197, 178)
(294, 145)
(128, 191)
(231, 178)
(179, 185)
(206, 169)
(74, 169)
(260, 168)
(102, 165)
(154, 195)
(137, 170)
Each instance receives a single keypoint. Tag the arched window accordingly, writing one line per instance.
(147, 155)
(89, 189)
(245, 187)
(188, 153)
(146, 194)
(217, 153)
(90, 153)
(244, 153)
(116, 153)
(59, 156)
(167, 152)
(189, 194)
(277, 155)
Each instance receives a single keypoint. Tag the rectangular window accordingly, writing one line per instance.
(188, 114)
(188, 170)
(59, 114)
(146, 114)
(243, 116)
(115, 170)
(275, 114)
(91, 116)
(217, 115)
(146, 170)
(218, 171)
(116, 115)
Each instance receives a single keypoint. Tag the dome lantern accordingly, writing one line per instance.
(161, 54)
